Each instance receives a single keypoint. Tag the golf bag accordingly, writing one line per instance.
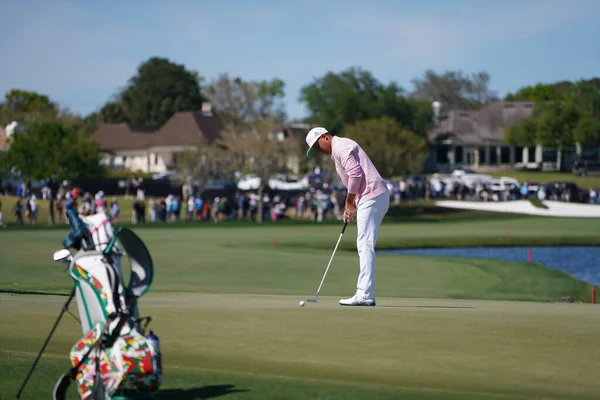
(114, 359)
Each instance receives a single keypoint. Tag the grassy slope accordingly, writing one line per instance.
(245, 260)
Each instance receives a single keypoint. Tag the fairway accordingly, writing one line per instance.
(268, 347)
(225, 306)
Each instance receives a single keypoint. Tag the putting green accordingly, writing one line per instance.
(423, 347)
(246, 260)
(225, 305)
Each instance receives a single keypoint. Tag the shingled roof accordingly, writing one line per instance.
(182, 129)
(483, 126)
(187, 129)
(122, 137)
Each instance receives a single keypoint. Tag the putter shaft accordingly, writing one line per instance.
(328, 265)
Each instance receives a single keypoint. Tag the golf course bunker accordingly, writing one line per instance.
(553, 208)
(579, 261)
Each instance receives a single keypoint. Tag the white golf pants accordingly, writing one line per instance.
(369, 215)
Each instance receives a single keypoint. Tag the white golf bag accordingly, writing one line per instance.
(114, 359)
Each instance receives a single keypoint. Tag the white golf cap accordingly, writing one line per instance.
(311, 138)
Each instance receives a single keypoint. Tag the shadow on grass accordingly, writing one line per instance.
(203, 392)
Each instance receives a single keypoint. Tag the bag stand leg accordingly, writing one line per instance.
(37, 359)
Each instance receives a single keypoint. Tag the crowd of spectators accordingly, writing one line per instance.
(316, 204)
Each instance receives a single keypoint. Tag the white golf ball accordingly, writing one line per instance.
(301, 304)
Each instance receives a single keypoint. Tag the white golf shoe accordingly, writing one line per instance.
(359, 301)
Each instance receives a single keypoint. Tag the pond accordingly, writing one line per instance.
(580, 262)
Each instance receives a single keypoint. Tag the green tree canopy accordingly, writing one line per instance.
(556, 124)
(565, 113)
(54, 150)
(338, 99)
(587, 131)
(522, 134)
(159, 89)
(393, 149)
(27, 106)
(537, 93)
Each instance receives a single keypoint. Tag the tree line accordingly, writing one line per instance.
(565, 114)
(391, 122)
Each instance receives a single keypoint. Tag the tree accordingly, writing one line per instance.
(454, 89)
(113, 112)
(54, 151)
(209, 161)
(26, 106)
(586, 95)
(521, 134)
(393, 149)
(22, 101)
(537, 93)
(251, 112)
(555, 126)
(335, 100)
(256, 152)
(159, 89)
(587, 132)
(243, 104)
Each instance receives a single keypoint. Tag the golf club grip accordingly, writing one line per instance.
(345, 225)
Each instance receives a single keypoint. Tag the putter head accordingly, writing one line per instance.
(312, 300)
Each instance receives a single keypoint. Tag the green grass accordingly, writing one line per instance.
(225, 305)
(269, 348)
(244, 259)
(414, 210)
(43, 217)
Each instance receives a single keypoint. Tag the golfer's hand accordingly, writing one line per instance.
(349, 212)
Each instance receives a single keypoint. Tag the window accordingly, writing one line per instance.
(519, 154)
(504, 155)
(531, 154)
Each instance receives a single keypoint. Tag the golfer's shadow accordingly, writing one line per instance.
(198, 393)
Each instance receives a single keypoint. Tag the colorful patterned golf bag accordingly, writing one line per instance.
(114, 359)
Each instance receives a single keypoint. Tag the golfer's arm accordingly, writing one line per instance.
(355, 175)
(350, 198)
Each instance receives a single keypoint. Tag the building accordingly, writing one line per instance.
(3, 140)
(126, 147)
(295, 135)
(156, 150)
(475, 139)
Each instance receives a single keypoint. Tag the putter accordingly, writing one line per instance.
(316, 298)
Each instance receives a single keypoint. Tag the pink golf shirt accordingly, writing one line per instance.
(356, 170)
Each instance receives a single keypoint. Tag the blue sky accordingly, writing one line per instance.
(80, 52)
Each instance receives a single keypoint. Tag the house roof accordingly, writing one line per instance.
(188, 128)
(182, 129)
(481, 126)
(122, 136)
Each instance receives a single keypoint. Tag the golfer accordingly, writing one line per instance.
(368, 200)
